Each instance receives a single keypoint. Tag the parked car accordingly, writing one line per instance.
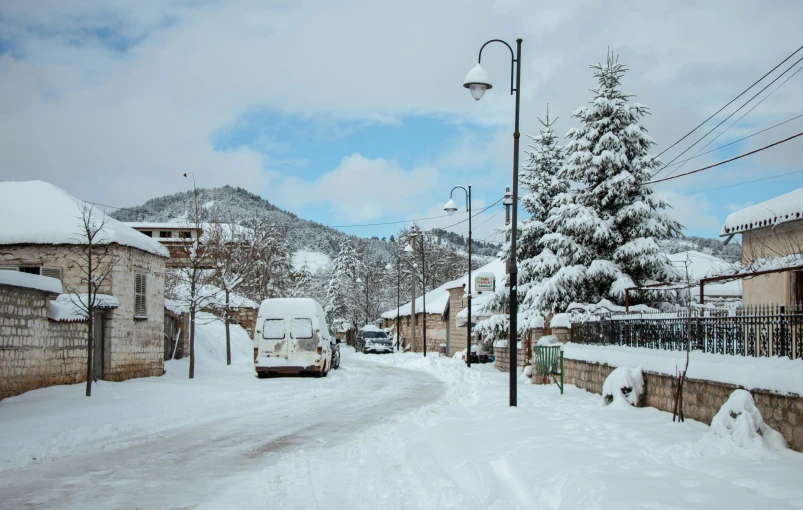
(372, 339)
(291, 337)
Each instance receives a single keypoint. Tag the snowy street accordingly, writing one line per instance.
(390, 431)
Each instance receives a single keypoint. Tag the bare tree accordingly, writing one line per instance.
(95, 261)
(677, 412)
(234, 260)
(272, 272)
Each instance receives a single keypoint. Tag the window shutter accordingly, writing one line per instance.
(140, 291)
(52, 272)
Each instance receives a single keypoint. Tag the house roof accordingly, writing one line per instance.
(703, 265)
(45, 214)
(437, 299)
(788, 207)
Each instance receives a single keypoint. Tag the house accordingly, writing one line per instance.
(173, 235)
(41, 237)
(772, 250)
(437, 301)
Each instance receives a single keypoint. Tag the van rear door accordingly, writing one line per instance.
(302, 336)
(274, 341)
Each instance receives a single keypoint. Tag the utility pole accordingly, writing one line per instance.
(412, 310)
(508, 201)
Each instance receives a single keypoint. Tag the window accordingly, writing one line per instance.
(52, 272)
(375, 334)
(31, 269)
(301, 329)
(148, 233)
(273, 329)
(140, 293)
(165, 234)
(185, 234)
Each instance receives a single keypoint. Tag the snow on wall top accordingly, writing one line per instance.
(788, 207)
(30, 281)
(71, 307)
(45, 214)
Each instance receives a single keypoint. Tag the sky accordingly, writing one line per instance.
(353, 112)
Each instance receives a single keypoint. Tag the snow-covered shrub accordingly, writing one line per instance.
(740, 421)
(623, 386)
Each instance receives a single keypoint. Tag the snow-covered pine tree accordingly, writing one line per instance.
(342, 292)
(603, 233)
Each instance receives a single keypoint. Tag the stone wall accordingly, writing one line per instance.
(436, 331)
(502, 358)
(36, 352)
(701, 399)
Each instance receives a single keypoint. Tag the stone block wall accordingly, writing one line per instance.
(436, 331)
(502, 358)
(34, 351)
(701, 399)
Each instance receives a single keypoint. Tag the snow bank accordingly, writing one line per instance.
(623, 386)
(560, 320)
(739, 421)
(780, 375)
(30, 281)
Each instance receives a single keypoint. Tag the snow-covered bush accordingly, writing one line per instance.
(624, 386)
(740, 421)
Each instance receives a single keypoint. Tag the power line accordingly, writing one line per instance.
(726, 118)
(723, 162)
(730, 102)
(737, 184)
(745, 114)
(391, 222)
(740, 139)
(473, 215)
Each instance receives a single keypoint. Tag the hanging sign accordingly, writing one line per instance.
(485, 282)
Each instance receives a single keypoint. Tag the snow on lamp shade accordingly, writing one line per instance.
(450, 207)
(477, 82)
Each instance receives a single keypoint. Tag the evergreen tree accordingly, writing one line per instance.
(342, 292)
(602, 236)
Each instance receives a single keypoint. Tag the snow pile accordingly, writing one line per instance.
(547, 340)
(560, 320)
(72, 307)
(624, 386)
(210, 348)
(30, 281)
(739, 421)
(781, 375)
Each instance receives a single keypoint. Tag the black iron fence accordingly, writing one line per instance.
(768, 330)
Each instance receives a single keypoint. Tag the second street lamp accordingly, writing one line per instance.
(414, 233)
(451, 208)
(477, 82)
(398, 297)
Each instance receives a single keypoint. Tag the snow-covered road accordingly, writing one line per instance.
(192, 464)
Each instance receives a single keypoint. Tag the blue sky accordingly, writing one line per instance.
(354, 113)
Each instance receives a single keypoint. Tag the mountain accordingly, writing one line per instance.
(731, 252)
(236, 204)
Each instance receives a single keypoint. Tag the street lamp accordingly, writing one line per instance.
(451, 208)
(477, 82)
(389, 268)
(414, 233)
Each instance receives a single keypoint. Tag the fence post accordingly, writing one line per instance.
(782, 319)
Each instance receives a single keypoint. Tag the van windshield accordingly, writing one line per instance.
(301, 329)
(273, 329)
(375, 334)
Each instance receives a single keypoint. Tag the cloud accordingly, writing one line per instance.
(361, 189)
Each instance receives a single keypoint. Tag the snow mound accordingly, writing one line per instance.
(623, 387)
(210, 349)
(547, 340)
(740, 422)
(560, 320)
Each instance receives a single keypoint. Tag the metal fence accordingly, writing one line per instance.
(768, 330)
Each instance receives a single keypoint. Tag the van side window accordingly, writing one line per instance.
(273, 329)
(301, 329)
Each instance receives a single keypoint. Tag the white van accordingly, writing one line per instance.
(290, 337)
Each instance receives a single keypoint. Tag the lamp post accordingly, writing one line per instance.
(477, 83)
(398, 297)
(414, 233)
(451, 208)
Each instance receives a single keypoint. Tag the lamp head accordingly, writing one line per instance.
(408, 248)
(450, 207)
(477, 82)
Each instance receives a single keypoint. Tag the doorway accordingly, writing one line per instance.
(99, 339)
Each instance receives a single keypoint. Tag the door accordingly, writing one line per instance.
(99, 342)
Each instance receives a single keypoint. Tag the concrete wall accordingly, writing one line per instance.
(776, 288)
(34, 351)
(701, 399)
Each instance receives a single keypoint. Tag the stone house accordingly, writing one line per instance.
(44, 240)
(437, 301)
(772, 240)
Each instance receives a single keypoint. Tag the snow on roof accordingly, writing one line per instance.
(437, 299)
(30, 281)
(607, 306)
(45, 214)
(371, 327)
(702, 265)
(788, 207)
(479, 300)
(70, 307)
(175, 307)
(184, 224)
(211, 296)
